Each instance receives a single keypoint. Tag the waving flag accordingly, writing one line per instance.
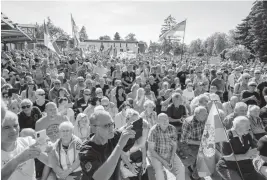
(75, 33)
(178, 27)
(47, 39)
(213, 133)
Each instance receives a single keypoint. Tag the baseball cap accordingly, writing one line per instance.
(252, 83)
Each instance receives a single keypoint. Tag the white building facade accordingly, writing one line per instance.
(121, 46)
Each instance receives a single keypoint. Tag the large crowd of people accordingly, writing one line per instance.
(112, 118)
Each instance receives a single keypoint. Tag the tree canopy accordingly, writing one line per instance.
(106, 37)
(130, 37)
(169, 22)
(117, 36)
(83, 34)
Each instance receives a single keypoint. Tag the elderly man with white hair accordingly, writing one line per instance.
(229, 106)
(40, 101)
(192, 131)
(237, 153)
(240, 110)
(162, 146)
(65, 160)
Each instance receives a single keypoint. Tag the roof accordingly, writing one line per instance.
(109, 41)
(11, 31)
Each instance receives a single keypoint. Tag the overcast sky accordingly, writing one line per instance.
(141, 18)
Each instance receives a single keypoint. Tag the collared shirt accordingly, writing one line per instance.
(192, 129)
(162, 139)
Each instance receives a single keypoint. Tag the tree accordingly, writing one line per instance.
(106, 37)
(169, 22)
(83, 34)
(154, 47)
(238, 53)
(117, 36)
(55, 32)
(196, 46)
(130, 37)
(220, 43)
(232, 38)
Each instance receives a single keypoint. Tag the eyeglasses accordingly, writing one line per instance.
(57, 83)
(26, 106)
(106, 126)
(247, 78)
(87, 94)
(99, 92)
(253, 85)
(81, 81)
(41, 94)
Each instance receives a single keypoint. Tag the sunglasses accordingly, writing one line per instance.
(81, 81)
(24, 107)
(5, 96)
(41, 94)
(57, 83)
(105, 105)
(107, 126)
(247, 78)
(253, 85)
(87, 94)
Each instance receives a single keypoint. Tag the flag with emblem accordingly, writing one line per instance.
(213, 133)
(75, 33)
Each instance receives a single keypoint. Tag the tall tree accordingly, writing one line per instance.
(117, 36)
(220, 43)
(106, 37)
(196, 46)
(169, 22)
(55, 31)
(83, 34)
(130, 37)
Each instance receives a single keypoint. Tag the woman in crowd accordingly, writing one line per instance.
(64, 110)
(139, 100)
(164, 87)
(149, 114)
(63, 93)
(82, 127)
(242, 85)
(40, 101)
(14, 106)
(188, 93)
(117, 73)
(65, 160)
(237, 153)
(120, 118)
(29, 93)
(229, 106)
(120, 96)
(82, 103)
(133, 92)
(148, 93)
(256, 123)
(135, 158)
(79, 87)
(29, 114)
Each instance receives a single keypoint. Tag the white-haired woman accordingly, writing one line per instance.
(242, 85)
(40, 101)
(238, 150)
(65, 155)
(256, 123)
(134, 160)
(140, 100)
(149, 114)
(82, 126)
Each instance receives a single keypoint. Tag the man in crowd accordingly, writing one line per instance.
(99, 155)
(162, 146)
(192, 131)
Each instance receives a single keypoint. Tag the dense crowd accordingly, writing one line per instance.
(112, 118)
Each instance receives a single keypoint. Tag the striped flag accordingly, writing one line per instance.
(75, 33)
(178, 27)
(213, 133)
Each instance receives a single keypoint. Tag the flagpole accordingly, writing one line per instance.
(183, 42)
(228, 139)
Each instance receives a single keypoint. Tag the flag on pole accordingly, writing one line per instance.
(75, 33)
(178, 27)
(213, 133)
(47, 39)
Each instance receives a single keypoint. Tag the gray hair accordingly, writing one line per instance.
(149, 102)
(199, 109)
(66, 123)
(240, 105)
(28, 101)
(240, 120)
(10, 116)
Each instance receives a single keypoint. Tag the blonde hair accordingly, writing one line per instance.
(149, 102)
(138, 96)
(77, 131)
